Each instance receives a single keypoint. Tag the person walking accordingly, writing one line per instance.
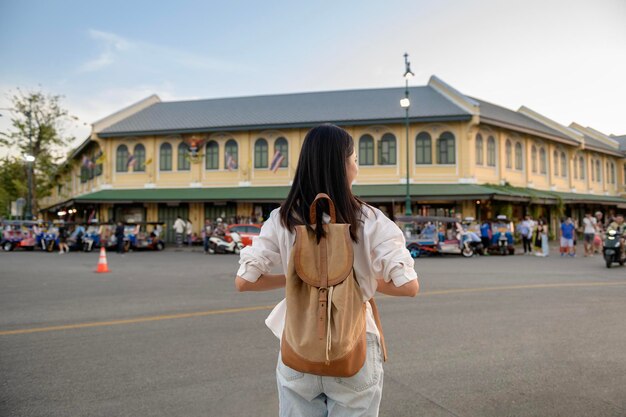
(189, 231)
(526, 231)
(179, 228)
(485, 235)
(567, 237)
(207, 231)
(381, 263)
(589, 233)
(63, 247)
(600, 230)
(119, 237)
(541, 239)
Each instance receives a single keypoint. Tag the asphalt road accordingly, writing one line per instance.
(165, 334)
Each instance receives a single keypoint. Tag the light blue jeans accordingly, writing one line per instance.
(307, 395)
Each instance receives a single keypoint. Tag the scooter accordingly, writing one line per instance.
(217, 244)
(613, 250)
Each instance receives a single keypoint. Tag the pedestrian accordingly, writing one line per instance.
(189, 232)
(541, 239)
(119, 237)
(600, 230)
(207, 231)
(589, 232)
(486, 235)
(179, 229)
(63, 247)
(526, 231)
(567, 237)
(381, 263)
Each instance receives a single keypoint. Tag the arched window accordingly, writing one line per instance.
(508, 154)
(555, 157)
(231, 155)
(183, 157)
(139, 152)
(387, 150)
(581, 167)
(479, 149)
(563, 165)
(165, 157)
(423, 149)
(260, 153)
(446, 149)
(366, 150)
(491, 151)
(575, 166)
(282, 146)
(543, 161)
(592, 170)
(598, 171)
(533, 159)
(121, 159)
(519, 156)
(613, 173)
(212, 155)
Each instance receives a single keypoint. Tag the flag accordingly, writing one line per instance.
(277, 159)
(100, 158)
(149, 161)
(87, 163)
(230, 162)
(131, 161)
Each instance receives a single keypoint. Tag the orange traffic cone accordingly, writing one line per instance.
(102, 262)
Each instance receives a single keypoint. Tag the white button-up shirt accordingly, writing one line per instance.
(380, 253)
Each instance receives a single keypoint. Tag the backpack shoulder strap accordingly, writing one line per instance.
(313, 209)
(380, 327)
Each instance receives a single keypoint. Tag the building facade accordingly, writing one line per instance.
(235, 158)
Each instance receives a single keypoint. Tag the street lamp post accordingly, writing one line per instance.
(28, 215)
(406, 103)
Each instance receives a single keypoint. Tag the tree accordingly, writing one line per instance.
(12, 183)
(38, 121)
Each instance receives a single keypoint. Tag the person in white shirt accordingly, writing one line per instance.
(179, 228)
(589, 232)
(382, 264)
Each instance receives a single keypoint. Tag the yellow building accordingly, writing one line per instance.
(213, 158)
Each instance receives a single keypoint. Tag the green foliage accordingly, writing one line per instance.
(12, 183)
(38, 122)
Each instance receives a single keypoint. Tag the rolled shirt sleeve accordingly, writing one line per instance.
(391, 259)
(263, 254)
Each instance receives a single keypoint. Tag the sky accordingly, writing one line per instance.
(565, 59)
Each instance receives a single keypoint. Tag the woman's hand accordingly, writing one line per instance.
(410, 289)
(265, 282)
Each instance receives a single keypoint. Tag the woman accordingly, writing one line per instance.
(541, 239)
(382, 263)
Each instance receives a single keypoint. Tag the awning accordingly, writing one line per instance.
(373, 193)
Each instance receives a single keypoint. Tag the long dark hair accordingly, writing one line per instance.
(322, 169)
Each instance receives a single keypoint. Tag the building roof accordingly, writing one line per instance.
(621, 140)
(493, 114)
(601, 146)
(287, 110)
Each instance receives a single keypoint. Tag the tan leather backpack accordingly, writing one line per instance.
(325, 326)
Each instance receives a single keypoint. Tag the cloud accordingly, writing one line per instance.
(136, 53)
(112, 45)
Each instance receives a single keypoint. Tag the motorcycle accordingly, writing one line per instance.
(613, 250)
(218, 244)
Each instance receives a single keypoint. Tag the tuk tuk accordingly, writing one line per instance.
(502, 242)
(435, 235)
(18, 234)
(147, 236)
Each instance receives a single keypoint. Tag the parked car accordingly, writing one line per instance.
(245, 231)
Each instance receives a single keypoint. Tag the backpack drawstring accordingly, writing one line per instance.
(328, 332)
